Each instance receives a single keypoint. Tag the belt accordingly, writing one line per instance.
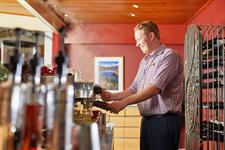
(162, 115)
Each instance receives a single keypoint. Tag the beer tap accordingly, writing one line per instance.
(15, 103)
(17, 60)
(61, 60)
(36, 63)
(33, 109)
(63, 124)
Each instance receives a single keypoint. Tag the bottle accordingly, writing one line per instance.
(210, 85)
(208, 44)
(213, 42)
(212, 63)
(213, 75)
(213, 105)
(213, 136)
(215, 51)
(212, 125)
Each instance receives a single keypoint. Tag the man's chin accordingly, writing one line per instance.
(145, 52)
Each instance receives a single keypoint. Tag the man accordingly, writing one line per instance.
(157, 89)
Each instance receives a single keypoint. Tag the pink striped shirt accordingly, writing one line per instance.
(164, 69)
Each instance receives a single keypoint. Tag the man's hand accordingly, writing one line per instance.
(106, 95)
(117, 106)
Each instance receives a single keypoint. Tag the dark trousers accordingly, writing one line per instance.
(160, 132)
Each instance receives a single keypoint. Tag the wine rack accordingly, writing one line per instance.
(204, 87)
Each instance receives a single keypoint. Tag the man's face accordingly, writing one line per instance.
(142, 41)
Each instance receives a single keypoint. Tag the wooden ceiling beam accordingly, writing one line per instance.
(47, 15)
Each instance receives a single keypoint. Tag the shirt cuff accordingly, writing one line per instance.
(159, 85)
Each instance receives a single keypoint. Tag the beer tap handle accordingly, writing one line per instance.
(17, 59)
(36, 63)
(102, 105)
(98, 89)
(61, 60)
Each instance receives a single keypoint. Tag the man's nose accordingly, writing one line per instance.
(137, 44)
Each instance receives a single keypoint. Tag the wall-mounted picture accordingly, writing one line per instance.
(109, 73)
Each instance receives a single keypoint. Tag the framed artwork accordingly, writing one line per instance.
(109, 73)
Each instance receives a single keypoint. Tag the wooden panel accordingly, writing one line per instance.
(118, 132)
(44, 13)
(132, 132)
(118, 144)
(116, 11)
(132, 121)
(119, 11)
(121, 113)
(13, 7)
(132, 111)
(132, 144)
(119, 121)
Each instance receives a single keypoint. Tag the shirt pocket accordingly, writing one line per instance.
(151, 73)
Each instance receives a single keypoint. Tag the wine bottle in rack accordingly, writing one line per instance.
(213, 136)
(210, 43)
(210, 85)
(212, 63)
(213, 105)
(213, 75)
(216, 50)
(212, 125)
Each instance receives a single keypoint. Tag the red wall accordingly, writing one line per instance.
(86, 41)
(214, 13)
(55, 47)
(118, 34)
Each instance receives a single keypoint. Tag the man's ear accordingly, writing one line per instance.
(151, 35)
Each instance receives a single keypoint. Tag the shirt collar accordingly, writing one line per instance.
(157, 51)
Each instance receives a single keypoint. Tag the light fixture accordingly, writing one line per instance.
(132, 14)
(135, 5)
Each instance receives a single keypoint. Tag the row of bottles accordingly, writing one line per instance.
(213, 130)
(213, 136)
(211, 44)
(213, 75)
(212, 126)
(213, 105)
(204, 87)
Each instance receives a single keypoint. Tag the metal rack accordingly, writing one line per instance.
(204, 87)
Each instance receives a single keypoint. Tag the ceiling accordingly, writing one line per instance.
(13, 7)
(116, 11)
